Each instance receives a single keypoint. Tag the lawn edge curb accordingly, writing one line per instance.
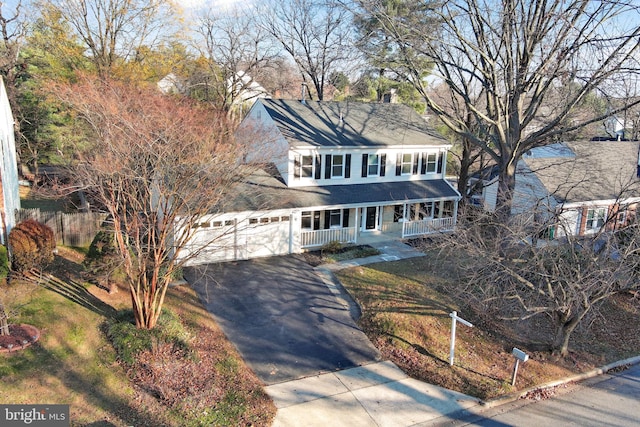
(574, 378)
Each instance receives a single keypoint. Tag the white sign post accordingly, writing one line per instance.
(520, 356)
(454, 320)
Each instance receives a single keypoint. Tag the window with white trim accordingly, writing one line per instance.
(306, 166)
(307, 220)
(335, 218)
(407, 164)
(431, 162)
(373, 165)
(595, 218)
(337, 166)
(622, 217)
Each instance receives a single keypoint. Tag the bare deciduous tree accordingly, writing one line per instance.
(12, 33)
(315, 33)
(237, 55)
(524, 276)
(156, 164)
(114, 30)
(531, 63)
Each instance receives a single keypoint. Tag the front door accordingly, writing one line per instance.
(371, 218)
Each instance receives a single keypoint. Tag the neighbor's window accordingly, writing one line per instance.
(596, 218)
(430, 162)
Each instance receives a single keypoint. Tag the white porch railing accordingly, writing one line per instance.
(320, 237)
(427, 226)
(391, 227)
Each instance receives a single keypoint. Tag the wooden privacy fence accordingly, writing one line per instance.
(70, 229)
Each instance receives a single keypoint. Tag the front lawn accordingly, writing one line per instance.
(74, 363)
(406, 306)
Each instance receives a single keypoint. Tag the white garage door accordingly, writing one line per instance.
(268, 236)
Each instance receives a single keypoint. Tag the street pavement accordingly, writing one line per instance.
(606, 400)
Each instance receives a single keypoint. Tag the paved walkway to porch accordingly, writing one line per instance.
(390, 250)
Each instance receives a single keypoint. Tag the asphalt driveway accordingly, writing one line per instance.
(281, 316)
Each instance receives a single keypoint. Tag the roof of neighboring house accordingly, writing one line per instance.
(350, 124)
(582, 171)
(246, 87)
(265, 191)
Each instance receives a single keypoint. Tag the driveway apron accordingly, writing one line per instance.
(281, 316)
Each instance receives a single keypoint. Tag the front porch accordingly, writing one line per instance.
(377, 223)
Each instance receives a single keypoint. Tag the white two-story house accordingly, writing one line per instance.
(335, 171)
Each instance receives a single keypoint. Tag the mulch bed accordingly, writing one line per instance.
(19, 338)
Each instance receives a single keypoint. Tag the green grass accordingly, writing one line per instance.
(129, 341)
(71, 364)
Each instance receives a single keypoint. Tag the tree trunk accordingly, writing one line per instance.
(506, 187)
(465, 165)
(564, 329)
(4, 324)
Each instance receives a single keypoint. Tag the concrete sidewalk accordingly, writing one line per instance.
(379, 394)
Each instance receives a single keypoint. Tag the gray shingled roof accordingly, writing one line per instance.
(600, 170)
(263, 191)
(350, 124)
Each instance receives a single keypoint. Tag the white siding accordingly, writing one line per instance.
(240, 236)
(8, 167)
(355, 176)
(264, 140)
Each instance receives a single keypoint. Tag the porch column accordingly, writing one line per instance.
(355, 238)
(455, 213)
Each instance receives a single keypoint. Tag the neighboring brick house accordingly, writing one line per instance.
(338, 171)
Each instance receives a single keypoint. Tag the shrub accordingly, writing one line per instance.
(129, 341)
(4, 262)
(32, 245)
(102, 260)
(332, 247)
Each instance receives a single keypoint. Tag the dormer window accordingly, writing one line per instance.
(373, 164)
